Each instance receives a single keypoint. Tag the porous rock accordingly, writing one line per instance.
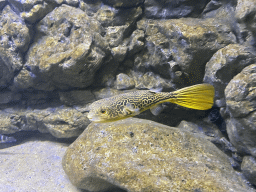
(248, 168)
(141, 155)
(225, 64)
(109, 16)
(31, 10)
(8, 97)
(202, 128)
(2, 3)
(241, 105)
(60, 122)
(150, 80)
(246, 13)
(63, 54)
(14, 40)
(123, 81)
(245, 9)
(76, 97)
(173, 9)
(123, 3)
(188, 42)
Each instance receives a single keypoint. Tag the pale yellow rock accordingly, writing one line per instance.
(141, 156)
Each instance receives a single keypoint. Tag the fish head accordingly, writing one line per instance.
(99, 113)
(104, 111)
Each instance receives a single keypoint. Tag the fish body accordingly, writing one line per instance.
(133, 103)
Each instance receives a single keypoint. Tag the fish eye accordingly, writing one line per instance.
(103, 111)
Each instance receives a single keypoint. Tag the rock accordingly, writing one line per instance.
(206, 130)
(246, 13)
(60, 122)
(2, 3)
(109, 16)
(149, 80)
(66, 123)
(65, 56)
(245, 9)
(123, 3)
(106, 92)
(136, 42)
(77, 97)
(248, 168)
(173, 9)
(225, 64)
(241, 104)
(14, 40)
(123, 81)
(31, 10)
(34, 166)
(141, 155)
(187, 42)
(8, 97)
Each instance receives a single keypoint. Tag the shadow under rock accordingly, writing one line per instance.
(25, 136)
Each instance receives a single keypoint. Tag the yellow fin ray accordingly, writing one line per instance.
(200, 97)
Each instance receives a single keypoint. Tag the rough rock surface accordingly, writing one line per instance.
(34, 166)
(14, 40)
(2, 3)
(141, 155)
(65, 56)
(123, 81)
(123, 3)
(60, 122)
(173, 9)
(248, 168)
(31, 10)
(241, 105)
(225, 64)
(245, 9)
(246, 14)
(77, 97)
(183, 45)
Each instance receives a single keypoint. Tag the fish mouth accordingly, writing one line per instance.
(93, 119)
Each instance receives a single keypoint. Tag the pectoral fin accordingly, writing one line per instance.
(129, 109)
(157, 109)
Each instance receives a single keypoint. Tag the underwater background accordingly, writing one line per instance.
(59, 56)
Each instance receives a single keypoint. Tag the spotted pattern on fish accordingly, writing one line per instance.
(118, 106)
(200, 97)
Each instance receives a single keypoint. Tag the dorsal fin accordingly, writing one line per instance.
(156, 90)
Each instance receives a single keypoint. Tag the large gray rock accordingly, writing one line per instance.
(181, 47)
(109, 16)
(141, 155)
(76, 97)
(14, 40)
(65, 55)
(173, 9)
(245, 9)
(248, 168)
(32, 10)
(123, 3)
(34, 166)
(2, 3)
(246, 13)
(225, 64)
(60, 122)
(241, 105)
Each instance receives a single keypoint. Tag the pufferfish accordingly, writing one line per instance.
(200, 97)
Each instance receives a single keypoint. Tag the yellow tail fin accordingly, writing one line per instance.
(200, 97)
